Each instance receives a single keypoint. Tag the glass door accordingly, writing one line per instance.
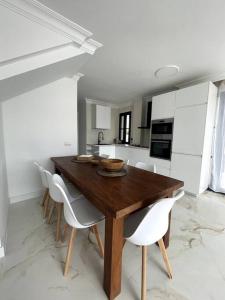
(125, 127)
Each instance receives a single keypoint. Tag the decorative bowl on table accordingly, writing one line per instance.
(95, 161)
(85, 157)
(112, 165)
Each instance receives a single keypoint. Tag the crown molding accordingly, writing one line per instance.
(37, 60)
(77, 76)
(100, 102)
(44, 16)
(125, 104)
(209, 77)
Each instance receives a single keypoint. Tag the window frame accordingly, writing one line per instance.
(123, 128)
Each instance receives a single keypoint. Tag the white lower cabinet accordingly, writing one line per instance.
(135, 155)
(187, 168)
(108, 150)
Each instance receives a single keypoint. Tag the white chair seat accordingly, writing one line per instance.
(85, 212)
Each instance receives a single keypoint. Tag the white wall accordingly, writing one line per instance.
(3, 189)
(37, 125)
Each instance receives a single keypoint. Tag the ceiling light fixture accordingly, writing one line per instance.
(167, 71)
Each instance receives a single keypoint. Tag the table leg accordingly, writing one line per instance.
(113, 256)
(166, 238)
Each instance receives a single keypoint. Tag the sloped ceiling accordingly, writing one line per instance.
(21, 36)
(141, 36)
(28, 81)
(34, 36)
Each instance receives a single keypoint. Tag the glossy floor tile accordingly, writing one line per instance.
(33, 266)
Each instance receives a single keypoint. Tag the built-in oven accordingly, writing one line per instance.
(162, 126)
(161, 149)
(161, 139)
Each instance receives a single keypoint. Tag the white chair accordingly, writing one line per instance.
(126, 161)
(106, 156)
(59, 204)
(44, 182)
(79, 214)
(147, 227)
(147, 167)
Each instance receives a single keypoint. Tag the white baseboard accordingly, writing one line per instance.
(27, 196)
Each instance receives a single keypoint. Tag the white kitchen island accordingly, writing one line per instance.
(133, 154)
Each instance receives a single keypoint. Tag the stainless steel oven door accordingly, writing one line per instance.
(161, 149)
(162, 127)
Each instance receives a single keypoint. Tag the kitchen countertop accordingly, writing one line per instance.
(119, 145)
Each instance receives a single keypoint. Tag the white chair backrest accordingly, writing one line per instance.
(63, 195)
(105, 156)
(55, 195)
(147, 167)
(155, 223)
(43, 176)
(126, 161)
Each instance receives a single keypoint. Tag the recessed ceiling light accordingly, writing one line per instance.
(167, 71)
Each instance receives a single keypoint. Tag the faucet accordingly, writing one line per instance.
(100, 137)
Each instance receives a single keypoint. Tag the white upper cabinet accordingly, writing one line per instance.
(189, 129)
(163, 106)
(102, 117)
(194, 95)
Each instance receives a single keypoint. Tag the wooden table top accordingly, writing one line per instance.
(120, 196)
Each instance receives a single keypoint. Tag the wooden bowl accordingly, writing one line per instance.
(112, 165)
(95, 161)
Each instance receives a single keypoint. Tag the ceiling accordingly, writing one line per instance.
(141, 36)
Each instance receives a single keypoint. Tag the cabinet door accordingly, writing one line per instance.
(108, 150)
(188, 169)
(189, 129)
(123, 152)
(163, 106)
(103, 117)
(193, 95)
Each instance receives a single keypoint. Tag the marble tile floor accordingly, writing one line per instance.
(32, 269)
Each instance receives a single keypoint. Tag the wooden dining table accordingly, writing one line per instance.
(116, 198)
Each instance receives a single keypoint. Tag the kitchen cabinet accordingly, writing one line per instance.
(135, 155)
(188, 169)
(108, 150)
(101, 116)
(192, 136)
(163, 106)
(103, 149)
(194, 95)
(189, 129)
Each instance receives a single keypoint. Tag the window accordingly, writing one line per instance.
(124, 127)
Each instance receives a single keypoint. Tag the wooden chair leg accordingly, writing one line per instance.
(165, 258)
(51, 212)
(59, 217)
(99, 241)
(44, 197)
(144, 273)
(66, 226)
(69, 251)
(46, 206)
